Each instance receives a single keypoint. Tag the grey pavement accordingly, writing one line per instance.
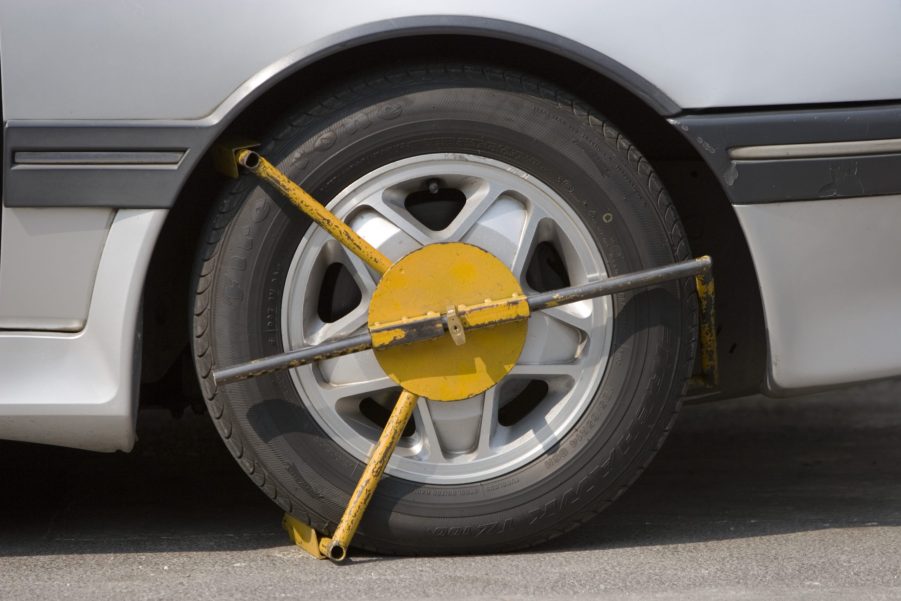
(749, 499)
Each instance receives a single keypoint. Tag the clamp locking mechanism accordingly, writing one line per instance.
(455, 326)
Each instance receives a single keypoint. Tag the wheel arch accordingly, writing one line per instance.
(443, 26)
(637, 108)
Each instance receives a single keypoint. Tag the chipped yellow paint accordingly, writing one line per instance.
(335, 548)
(387, 337)
(489, 314)
(431, 279)
(494, 312)
(315, 210)
(707, 334)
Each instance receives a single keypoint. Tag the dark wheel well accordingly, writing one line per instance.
(709, 219)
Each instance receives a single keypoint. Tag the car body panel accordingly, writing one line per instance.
(178, 60)
(830, 277)
(168, 77)
(80, 389)
(51, 261)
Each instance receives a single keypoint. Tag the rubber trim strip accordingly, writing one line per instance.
(796, 155)
(99, 158)
(806, 151)
(100, 173)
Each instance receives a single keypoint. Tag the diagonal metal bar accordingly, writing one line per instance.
(315, 210)
(335, 548)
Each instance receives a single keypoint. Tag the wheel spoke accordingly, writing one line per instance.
(488, 425)
(360, 370)
(457, 424)
(425, 429)
(575, 315)
(526, 242)
(498, 230)
(399, 219)
(478, 203)
(549, 341)
(539, 371)
(343, 326)
(364, 277)
(334, 393)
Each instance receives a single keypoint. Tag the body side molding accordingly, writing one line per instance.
(800, 154)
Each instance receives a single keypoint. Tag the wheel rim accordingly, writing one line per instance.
(440, 198)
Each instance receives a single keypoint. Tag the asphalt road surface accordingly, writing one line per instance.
(749, 499)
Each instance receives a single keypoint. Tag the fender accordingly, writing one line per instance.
(89, 163)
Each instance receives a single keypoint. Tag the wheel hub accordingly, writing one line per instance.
(442, 279)
(508, 214)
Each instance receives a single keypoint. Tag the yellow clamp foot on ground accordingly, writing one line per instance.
(302, 535)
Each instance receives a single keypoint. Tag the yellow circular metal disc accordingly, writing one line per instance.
(433, 279)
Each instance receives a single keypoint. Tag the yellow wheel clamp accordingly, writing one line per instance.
(446, 322)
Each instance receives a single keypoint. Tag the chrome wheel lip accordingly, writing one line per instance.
(416, 459)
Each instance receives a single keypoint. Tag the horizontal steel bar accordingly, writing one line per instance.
(296, 358)
(619, 283)
(427, 328)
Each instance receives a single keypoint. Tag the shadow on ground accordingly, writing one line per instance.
(743, 468)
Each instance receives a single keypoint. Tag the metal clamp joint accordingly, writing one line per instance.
(455, 327)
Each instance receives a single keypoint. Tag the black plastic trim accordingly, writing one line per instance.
(97, 158)
(132, 186)
(790, 179)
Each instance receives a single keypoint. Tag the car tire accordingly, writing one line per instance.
(504, 121)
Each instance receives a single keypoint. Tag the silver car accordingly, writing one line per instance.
(572, 140)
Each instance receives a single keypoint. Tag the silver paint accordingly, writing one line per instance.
(79, 390)
(164, 59)
(49, 260)
(831, 284)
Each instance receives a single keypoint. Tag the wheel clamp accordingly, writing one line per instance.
(450, 305)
